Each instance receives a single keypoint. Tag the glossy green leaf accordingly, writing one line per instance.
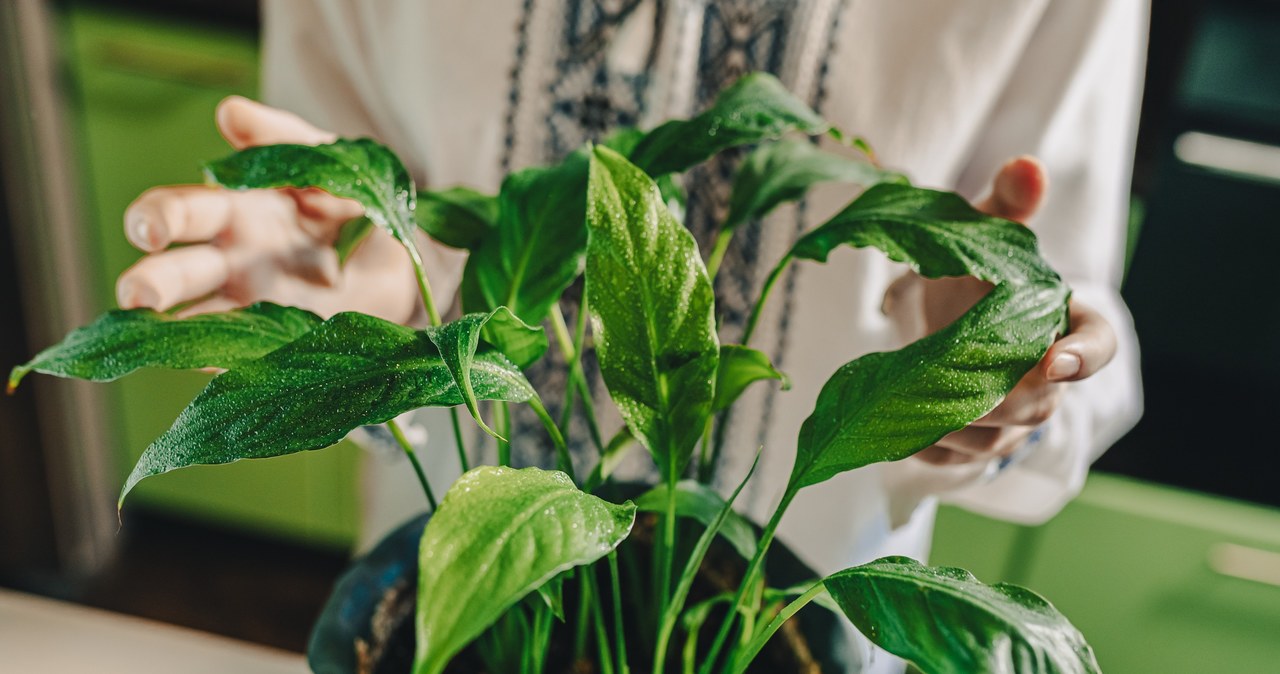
(784, 171)
(936, 233)
(700, 502)
(353, 370)
(501, 533)
(124, 340)
(459, 216)
(887, 406)
(537, 248)
(740, 367)
(360, 169)
(756, 108)
(459, 340)
(946, 622)
(652, 311)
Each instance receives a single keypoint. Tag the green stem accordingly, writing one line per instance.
(584, 619)
(562, 450)
(672, 613)
(618, 633)
(424, 286)
(764, 295)
(458, 440)
(503, 413)
(667, 555)
(749, 580)
(424, 289)
(717, 253)
(413, 459)
(577, 383)
(602, 635)
(743, 658)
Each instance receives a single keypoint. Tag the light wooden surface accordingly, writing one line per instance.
(42, 636)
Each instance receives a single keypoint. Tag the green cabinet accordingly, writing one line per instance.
(1158, 579)
(144, 92)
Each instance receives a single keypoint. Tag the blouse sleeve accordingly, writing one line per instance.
(1072, 102)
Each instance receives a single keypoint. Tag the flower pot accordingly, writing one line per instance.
(367, 625)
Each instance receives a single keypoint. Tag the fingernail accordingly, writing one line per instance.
(133, 294)
(145, 233)
(1064, 366)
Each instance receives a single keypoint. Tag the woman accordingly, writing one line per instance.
(946, 91)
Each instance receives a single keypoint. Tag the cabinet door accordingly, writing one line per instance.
(144, 101)
(1162, 580)
(1158, 579)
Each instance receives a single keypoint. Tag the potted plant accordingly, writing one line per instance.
(519, 569)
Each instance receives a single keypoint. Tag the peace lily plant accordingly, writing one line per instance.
(506, 550)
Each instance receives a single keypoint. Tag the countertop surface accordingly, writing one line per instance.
(39, 636)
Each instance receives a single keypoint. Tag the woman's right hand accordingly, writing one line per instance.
(246, 246)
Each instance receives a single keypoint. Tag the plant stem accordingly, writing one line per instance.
(717, 253)
(743, 658)
(672, 613)
(503, 412)
(458, 440)
(764, 295)
(667, 551)
(602, 636)
(413, 459)
(584, 619)
(562, 450)
(748, 582)
(572, 352)
(424, 289)
(618, 633)
(424, 286)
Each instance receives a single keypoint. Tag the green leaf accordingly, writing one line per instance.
(124, 340)
(499, 534)
(610, 459)
(552, 594)
(459, 216)
(458, 341)
(360, 169)
(946, 622)
(741, 366)
(937, 233)
(887, 406)
(652, 312)
(353, 370)
(537, 249)
(351, 236)
(702, 503)
(756, 108)
(784, 171)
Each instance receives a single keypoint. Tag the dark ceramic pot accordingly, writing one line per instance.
(367, 625)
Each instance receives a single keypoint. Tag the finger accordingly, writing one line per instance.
(1018, 190)
(162, 280)
(179, 213)
(245, 123)
(941, 456)
(1087, 349)
(320, 205)
(213, 305)
(985, 442)
(1031, 403)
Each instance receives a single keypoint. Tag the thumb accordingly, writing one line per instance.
(1018, 190)
(245, 123)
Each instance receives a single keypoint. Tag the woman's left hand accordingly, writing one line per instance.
(1017, 193)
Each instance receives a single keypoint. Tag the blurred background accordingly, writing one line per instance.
(1169, 561)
